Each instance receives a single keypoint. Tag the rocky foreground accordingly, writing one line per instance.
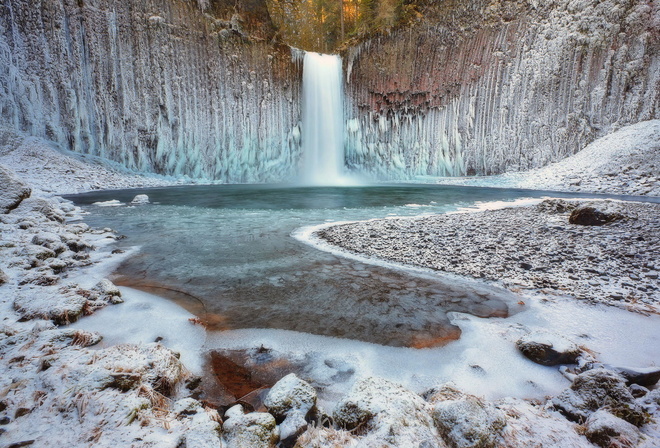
(599, 251)
(56, 386)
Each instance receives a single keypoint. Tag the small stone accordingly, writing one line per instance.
(140, 199)
(20, 412)
(638, 391)
(255, 430)
(4, 278)
(548, 349)
(606, 430)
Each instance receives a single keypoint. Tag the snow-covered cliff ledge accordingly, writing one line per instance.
(485, 87)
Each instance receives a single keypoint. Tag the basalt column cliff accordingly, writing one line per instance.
(483, 87)
(166, 86)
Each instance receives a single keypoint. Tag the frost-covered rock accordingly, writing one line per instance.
(108, 291)
(254, 430)
(592, 214)
(140, 199)
(48, 208)
(12, 190)
(651, 402)
(128, 366)
(205, 427)
(62, 308)
(548, 349)
(62, 337)
(466, 421)
(3, 277)
(37, 252)
(388, 413)
(596, 389)
(642, 376)
(536, 426)
(50, 240)
(290, 394)
(291, 400)
(606, 430)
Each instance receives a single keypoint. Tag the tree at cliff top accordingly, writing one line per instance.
(326, 25)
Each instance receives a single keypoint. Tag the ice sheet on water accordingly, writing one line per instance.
(143, 318)
(110, 203)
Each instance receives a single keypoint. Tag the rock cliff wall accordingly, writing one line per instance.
(199, 87)
(488, 86)
(167, 86)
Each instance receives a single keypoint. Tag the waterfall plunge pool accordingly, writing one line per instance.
(226, 254)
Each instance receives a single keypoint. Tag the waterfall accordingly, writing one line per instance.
(322, 120)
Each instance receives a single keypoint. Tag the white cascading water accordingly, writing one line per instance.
(322, 120)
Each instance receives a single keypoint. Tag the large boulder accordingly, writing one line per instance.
(291, 400)
(606, 430)
(254, 430)
(596, 389)
(387, 413)
(12, 190)
(48, 208)
(548, 349)
(595, 214)
(465, 421)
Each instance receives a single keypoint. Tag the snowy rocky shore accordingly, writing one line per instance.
(602, 251)
(56, 385)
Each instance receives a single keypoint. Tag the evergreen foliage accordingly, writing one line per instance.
(328, 25)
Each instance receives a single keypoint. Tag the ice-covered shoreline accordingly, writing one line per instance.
(532, 248)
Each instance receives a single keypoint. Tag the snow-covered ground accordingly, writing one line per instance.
(52, 170)
(626, 162)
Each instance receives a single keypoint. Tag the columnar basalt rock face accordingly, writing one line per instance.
(486, 86)
(167, 86)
